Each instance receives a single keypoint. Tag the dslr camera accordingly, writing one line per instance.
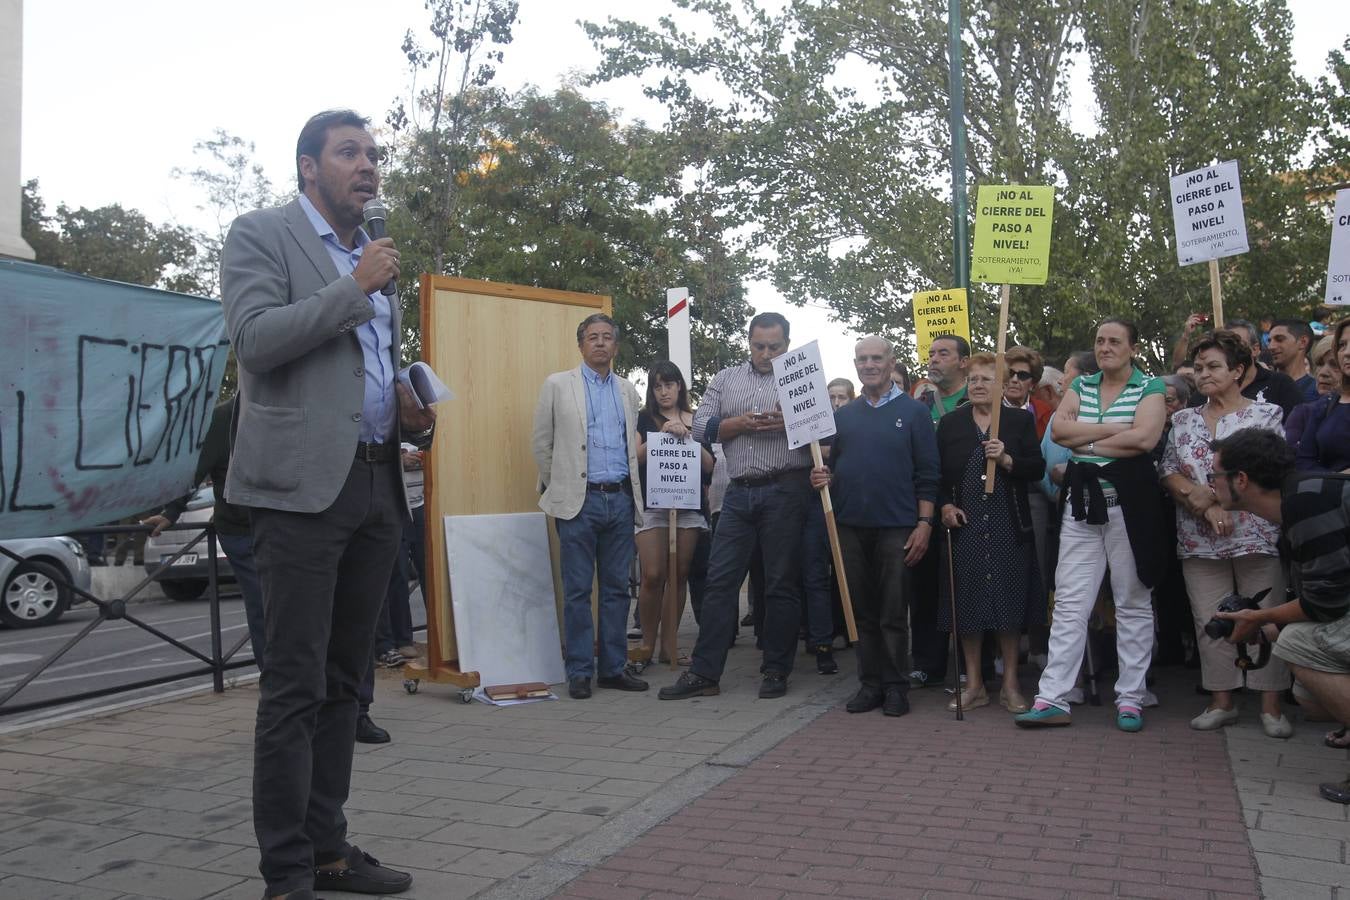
(1220, 629)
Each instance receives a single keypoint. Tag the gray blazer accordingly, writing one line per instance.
(291, 320)
(559, 443)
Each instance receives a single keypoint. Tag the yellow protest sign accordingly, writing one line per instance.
(940, 312)
(1012, 234)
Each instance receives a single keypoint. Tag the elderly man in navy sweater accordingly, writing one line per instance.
(883, 479)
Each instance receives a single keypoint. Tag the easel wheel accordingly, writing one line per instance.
(410, 684)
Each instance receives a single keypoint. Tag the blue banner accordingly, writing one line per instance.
(106, 391)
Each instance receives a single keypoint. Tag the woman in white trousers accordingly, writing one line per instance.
(1110, 421)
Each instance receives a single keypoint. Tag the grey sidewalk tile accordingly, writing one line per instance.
(546, 833)
(161, 881)
(564, 781)
(91, 812)
(626, 787)
(243, 862)
(1301, 845)
(588, 803)
(184, 824)
(173, 851)
(467, 790)
(580, 751)
(387, 825)
(445, 809)
(53, 862)
(636, 771)
(1288, 823)
(22, 887)
(383, 801)
(1331, 874)
(1284, 889)
(521, 761)
(70, 837)
(405, 852)
(491, 863)
(421, 768)
(1310, 805)
(431, 885)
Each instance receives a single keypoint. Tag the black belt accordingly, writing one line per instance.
(769, 479)
(376, 453)
(610, 487)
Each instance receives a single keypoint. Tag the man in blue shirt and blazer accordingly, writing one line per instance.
(315, 457)
(883, 480)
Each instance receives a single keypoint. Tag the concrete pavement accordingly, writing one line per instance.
(627, 796)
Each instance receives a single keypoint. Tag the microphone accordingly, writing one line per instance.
(375, 215)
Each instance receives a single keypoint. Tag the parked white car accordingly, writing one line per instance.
(35, 592)
(187, 577)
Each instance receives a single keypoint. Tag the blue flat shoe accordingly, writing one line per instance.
(1129, 720)
(1049, 717)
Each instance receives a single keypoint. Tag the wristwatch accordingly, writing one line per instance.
(930, 520)
(1091, 448)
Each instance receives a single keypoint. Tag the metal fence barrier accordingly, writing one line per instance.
(115, 609)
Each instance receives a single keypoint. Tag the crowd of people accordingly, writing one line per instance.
(1105, 515)
(1103, 493)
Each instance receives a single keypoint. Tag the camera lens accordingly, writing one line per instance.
(1218, 629)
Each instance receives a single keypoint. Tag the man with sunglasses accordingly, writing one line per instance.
(1254, 472)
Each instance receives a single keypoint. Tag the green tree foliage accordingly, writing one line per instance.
(560, 195)
(231, 182)
(109, 242)
(834, 124)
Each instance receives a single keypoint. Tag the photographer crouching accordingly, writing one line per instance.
(1254, 472)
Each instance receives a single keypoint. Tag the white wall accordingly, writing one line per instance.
(11, 122)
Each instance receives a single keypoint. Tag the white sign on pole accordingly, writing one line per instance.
(1338, 266)
(674, 472)
(677, 328)
(802, 395)
(1207, 213)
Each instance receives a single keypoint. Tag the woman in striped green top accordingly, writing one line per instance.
(1115, 415)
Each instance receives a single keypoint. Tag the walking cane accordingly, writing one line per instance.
(956, 634)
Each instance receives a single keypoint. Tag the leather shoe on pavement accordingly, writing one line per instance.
(865, 700)
(689, 685)
(367, 732)
(362, 875)
(896, 703)
(579, 688)
(1336, 792)
(773, 686)
(624, 681)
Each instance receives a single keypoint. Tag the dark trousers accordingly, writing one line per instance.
(239, 549)
(930, 586)
(698, 568)
(879, 583)
(817, 574)
(323, 578)
(770, 516)
(415, 540)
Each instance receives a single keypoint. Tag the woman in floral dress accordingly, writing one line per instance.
(1223, 551)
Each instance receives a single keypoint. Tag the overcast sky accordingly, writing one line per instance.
(115, 94)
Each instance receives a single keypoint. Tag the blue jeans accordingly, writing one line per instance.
(769, 516)
(239, 548)
(597, 544)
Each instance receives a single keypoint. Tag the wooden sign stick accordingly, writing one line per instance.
(999, 377)
(845, 600)
(1216, 292)
(670, 609)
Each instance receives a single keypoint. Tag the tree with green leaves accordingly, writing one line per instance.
(109, 242)
(833, 117)
(560, 195)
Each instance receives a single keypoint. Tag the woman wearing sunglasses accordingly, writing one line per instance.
(1223, 551)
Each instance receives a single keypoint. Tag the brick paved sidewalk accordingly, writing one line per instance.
(924, 806)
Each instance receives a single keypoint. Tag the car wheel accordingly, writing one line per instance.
(184, 589)
(34, 595)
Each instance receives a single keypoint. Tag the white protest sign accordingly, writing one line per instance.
(1207, 214)
(674, 472)
(1338, 266)
(802, 395)
(677, 329)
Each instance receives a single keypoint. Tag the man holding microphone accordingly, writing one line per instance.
(315, 325)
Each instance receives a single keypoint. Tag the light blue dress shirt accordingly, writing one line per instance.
(378, 419)
(606, 434)
(885, 398)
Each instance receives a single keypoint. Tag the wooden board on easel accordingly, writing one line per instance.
(494, 344)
